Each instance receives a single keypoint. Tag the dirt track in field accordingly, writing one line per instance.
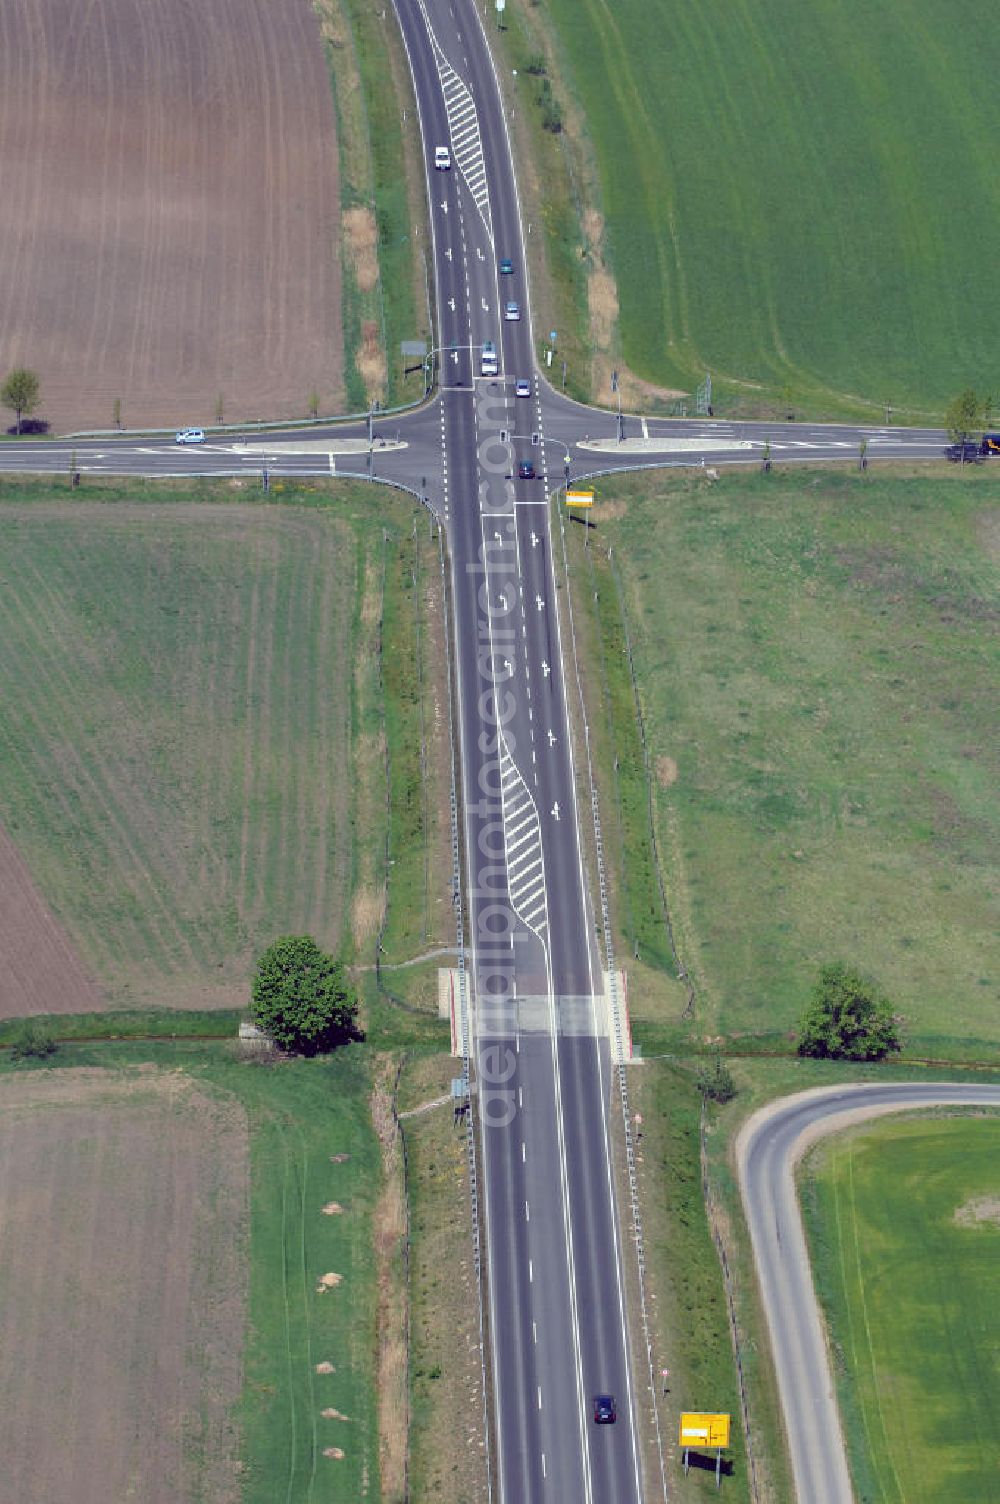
(41, 971)
(122, 1248)
(170, 227)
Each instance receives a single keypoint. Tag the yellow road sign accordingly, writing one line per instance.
(700, 1430)
(579, 498)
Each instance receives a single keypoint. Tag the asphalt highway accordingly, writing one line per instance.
(556, 1301)
(768, 1149)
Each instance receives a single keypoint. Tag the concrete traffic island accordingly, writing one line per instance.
(318, 446)
(663, 444)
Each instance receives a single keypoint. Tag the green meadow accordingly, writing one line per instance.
(816, 659)
(904, 1219)
(802, 199)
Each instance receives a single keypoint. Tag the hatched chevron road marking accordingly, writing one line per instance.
(523, 845)
(463, 124)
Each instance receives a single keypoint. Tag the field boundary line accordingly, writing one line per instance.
(397, 1118)
(871, 1364)
(293, 1434)
(306, 1310)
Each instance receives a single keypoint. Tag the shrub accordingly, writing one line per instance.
(33, 1041)
(716, 1082)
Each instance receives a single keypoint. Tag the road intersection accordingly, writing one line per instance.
(541, 1059)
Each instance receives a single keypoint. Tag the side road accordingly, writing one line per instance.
(769, 1146)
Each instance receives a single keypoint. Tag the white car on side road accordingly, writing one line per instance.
(189, 436)
(442, 158)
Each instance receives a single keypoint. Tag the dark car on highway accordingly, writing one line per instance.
(605, 1413)
(963, 454)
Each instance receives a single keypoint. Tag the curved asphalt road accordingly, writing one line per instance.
(768, 1148)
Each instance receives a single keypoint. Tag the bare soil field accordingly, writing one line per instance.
(42, 972)
(122, 1288)
(170, 236)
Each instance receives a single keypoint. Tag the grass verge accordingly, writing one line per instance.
(904, 1230)
(386, 287)
(688, 1316)
(549, 139)
(447, 1459)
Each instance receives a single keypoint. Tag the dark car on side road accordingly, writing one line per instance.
(605, 1413)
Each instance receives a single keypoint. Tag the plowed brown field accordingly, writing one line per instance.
(41, 972)
(170, 221)
(124, 1289)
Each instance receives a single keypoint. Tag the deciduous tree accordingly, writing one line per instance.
(968, 414)
(301, 997)
(20, 393)
(848, 1019)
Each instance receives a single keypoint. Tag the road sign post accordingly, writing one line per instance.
(704, 1429)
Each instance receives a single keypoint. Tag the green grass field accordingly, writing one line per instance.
(905, 1229)
(803, 197)
(183, 701)
(817, 664)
